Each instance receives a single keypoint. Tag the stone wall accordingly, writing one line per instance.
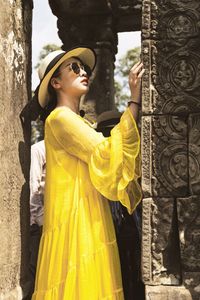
(170, 149)
(15, 30)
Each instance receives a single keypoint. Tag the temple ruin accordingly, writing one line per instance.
(170, 137)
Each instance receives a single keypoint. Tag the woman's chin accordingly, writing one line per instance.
(84, 90)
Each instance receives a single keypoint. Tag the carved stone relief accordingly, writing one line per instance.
(189, 232)
(164, 152)
(194, 154)
(167, 293)
(171, 136)
(170, 46)
(173, 20)
(172, 85)
(146, 241)
(191, 281)
(160, 239)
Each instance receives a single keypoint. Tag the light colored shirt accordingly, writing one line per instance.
(37, 183)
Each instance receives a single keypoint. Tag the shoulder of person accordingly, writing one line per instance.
(62, 115)
(38, 148)
(61, 111)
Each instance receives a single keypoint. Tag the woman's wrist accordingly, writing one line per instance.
(134, 102)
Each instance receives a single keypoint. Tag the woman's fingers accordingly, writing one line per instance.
(137, 67)
(136, 70)
(141, 73)
(135, 76)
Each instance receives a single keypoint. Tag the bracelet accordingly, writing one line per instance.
(137, 103)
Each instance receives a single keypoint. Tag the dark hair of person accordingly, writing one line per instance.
(53, 98)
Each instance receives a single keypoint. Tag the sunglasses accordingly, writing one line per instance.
(77, 67)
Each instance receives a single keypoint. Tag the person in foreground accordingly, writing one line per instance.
(78, 255)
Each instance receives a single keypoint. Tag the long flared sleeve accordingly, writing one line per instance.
(113, 162)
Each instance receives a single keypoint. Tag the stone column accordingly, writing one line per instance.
(93, 24)
(170, 149)
(15, 70)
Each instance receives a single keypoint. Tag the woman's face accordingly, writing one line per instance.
(69, 82)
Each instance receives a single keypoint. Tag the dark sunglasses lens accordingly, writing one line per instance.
(75, 68)
(88, 70)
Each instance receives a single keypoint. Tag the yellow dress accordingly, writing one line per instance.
(78, 255)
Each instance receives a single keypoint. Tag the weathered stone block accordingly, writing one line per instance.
(194, 154)
(170, 144)
(164, 156)
(189, 232)
(167, 293)
(77, 7)
(15, 82)
(171, 55)
(191, 281)
(129, 15)
(159, 240)
(173, 21)
(15, 294)
(171, 86)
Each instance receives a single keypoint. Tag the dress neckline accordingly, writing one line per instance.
(83, 119)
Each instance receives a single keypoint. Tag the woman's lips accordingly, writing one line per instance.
(84, 81)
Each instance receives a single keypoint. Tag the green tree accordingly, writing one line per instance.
(122, 93)
(45, 51)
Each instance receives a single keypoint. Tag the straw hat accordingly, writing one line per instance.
(53, 60)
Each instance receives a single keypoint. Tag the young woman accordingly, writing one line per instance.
(78, 256)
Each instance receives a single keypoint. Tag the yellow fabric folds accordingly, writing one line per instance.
(116, 162)
(78, 255)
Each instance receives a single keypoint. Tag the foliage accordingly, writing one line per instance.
(122, 70)
(45, 51)
(37, 131)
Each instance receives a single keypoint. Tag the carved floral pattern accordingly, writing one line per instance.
(194, 154)
(160, 238)
(165, 150)
(171, 34)
(171, 135)
(189, 225)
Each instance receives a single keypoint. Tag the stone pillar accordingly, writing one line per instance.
(15, 70)
(170, 149)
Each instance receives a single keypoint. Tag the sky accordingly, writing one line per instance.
(45, 32)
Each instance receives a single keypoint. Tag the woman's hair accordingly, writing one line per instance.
(52, 98)
(51, 90)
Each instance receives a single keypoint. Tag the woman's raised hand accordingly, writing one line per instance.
(135, 76)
